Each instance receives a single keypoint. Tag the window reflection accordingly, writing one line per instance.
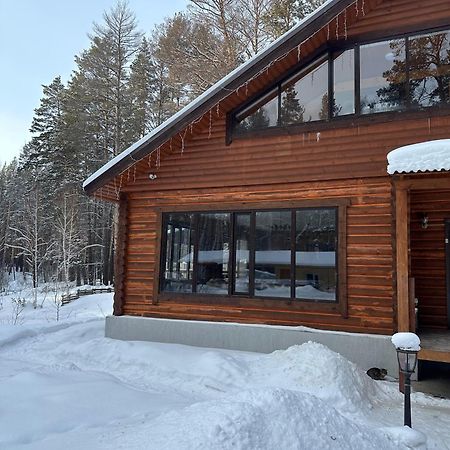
(179, 266)
(273, 254)
(261, 114)
(242, 253)
(315, 254)
(213, 253)
(429, 62)
(383, 76)
(305, 99)
(344, 83)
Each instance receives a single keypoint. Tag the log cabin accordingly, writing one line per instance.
(263, 213)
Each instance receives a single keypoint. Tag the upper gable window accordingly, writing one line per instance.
(304, 97)
(344, 83)
(383, 76)
(391, 75)
(429, 66)
(261, 114)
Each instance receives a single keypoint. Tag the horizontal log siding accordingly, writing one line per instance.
(428, 256)
(355, 151)
(347, 161)
(369, 256)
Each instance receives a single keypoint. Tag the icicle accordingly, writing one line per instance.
(363, 8)
(246, 88)
(210, 122)
(134, 174)
(337, 27)
(182, 143)
(120, 187)
(191, 126)
(218, 109)
(128, 174)
(150, 160)
(356, 8)
(299, 52)
(328, 31)
(345, 24)
(317, 137)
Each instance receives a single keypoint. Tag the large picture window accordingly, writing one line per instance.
(285, 253)
(408, 73)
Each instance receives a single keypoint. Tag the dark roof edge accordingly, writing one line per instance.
(295, 36)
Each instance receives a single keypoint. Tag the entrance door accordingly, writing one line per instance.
(447, 267)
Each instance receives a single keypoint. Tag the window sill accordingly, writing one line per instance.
(268, 303)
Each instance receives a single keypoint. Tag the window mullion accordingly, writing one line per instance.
(232, 256)
(407, 74)
(251, 277)
(330, 86)
(357, 81)
(196, 239)
(293, 253)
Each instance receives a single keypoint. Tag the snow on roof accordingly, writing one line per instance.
(217, 87)
(421, 157)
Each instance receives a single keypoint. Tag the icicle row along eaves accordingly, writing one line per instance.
(359, 8)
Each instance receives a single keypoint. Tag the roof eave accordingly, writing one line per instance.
(217, 92)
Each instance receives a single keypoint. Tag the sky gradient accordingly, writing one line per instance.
(38, 41)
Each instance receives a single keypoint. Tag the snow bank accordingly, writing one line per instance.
(66, 386)
(406, 341)
(260, 419)
(421, 157)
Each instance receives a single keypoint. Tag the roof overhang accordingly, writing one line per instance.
(157, 137)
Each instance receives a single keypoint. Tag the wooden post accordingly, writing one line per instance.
(120, 255)
(402, 257)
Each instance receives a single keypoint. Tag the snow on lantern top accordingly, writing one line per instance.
(421, 157)
(406, 341)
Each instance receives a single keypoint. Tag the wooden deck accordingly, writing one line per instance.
(435, 345)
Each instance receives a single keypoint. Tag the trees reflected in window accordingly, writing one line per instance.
(429, 66)
(178, 267)
(273, 254)
(286, 253)
(344, 83)
(304, 98)
(261, 114)
(393, 75)
(213, 253)
(383, 76)
(315, 256)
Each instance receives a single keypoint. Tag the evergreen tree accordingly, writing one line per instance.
(291, 109)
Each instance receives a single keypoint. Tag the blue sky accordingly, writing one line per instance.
(38, 41)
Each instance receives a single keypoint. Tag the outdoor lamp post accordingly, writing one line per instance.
(407, 346)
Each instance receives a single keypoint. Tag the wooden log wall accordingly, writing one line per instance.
(345, 161)
(369, 257)
(428, 255)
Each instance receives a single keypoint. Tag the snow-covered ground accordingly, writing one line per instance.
(64, 386)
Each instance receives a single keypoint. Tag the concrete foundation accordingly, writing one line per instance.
(365, 350)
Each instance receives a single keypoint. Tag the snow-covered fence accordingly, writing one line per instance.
(67, 298)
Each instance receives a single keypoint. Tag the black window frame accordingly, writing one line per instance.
(339, 266)
(327, 52)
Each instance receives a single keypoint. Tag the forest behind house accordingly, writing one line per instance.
(125, 84)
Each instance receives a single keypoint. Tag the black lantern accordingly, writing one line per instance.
(407, 360)
(407, 346)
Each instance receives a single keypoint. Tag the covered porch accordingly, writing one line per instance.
(421, 184)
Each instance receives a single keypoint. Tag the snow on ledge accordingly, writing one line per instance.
(406, 341)
(421, 157)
